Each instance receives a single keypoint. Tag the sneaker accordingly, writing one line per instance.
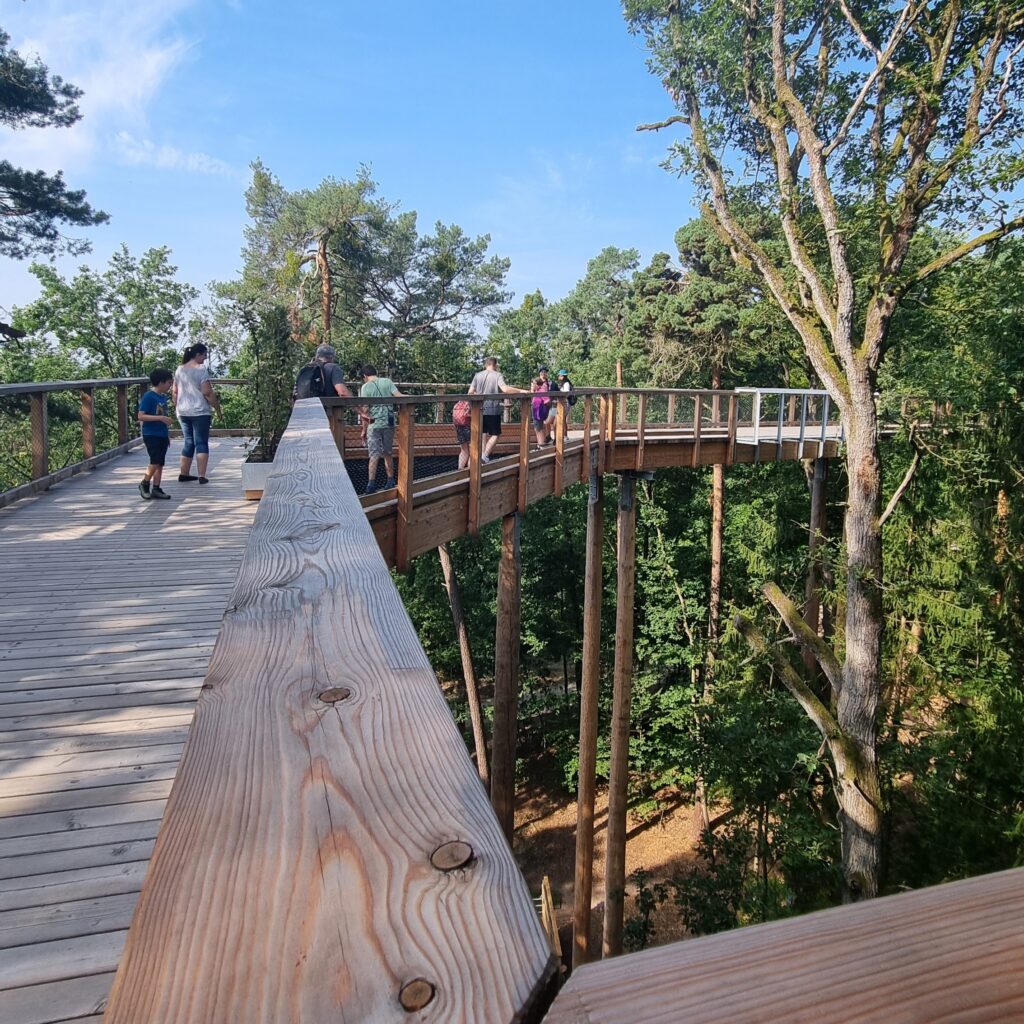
(391, 483)
(184, 478)
(204, 480)
(485, 458)
(144, 489)
(159, 492)
(371, 487)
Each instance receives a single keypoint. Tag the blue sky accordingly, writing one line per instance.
(515, 120)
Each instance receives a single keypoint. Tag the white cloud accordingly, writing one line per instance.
(145, 152)
(122, 54)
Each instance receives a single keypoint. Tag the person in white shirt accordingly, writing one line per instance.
(194, 402)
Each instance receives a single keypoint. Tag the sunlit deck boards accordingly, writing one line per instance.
(109, 608)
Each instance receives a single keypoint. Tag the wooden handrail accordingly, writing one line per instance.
(328, 852)
(951, 952)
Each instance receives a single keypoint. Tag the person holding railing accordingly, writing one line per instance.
(194, 402)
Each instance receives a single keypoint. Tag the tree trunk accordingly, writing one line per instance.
(325, 287)
(812, 594)
(857, 701)
(451, 584)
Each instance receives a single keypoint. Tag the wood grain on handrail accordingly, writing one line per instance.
(328, 852)
(950, 953)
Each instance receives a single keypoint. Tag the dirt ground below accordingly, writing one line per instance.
(545, 844)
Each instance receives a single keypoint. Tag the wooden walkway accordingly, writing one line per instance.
(108, 614)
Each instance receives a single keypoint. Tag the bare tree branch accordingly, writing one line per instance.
(658, 125)
(905, 482)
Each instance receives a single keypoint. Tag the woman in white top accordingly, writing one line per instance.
(194, 402)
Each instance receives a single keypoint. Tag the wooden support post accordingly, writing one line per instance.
(671, 409)
(641, 423)
(88, 414)
(695, 461)
(602, 432)
(406, 442)
(612, 424)
(524, 453)
(506, 678)
(732, 429)
(588, 409)
(559, 447)
(337, 422)
(593, 592)
(439, 409)
(40, 423)
(615, 859)
(451, 585)
(792, 409)
(475, 441)
(122, 413)
(812, 603)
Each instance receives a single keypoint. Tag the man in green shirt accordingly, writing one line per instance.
(378, 425)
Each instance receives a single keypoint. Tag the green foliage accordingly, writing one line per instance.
(33, 205)
(119, 323)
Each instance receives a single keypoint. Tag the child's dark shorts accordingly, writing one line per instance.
(157, 448)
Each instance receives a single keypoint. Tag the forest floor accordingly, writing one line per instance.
(545, 844)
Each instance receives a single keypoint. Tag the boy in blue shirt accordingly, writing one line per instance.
(155, 435)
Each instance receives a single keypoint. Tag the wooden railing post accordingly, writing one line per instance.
(559, 446)
(671, 409)
(40, 422)
(588, 409)
(506, 678)
(88, 416)
(406, 443)
(602, 431)
(733, 402)
(524, 453)
(792, 409)
(695, 461)
(475, 442)
(122, 413)
(593, 593)
(615, 859)
(641, 426)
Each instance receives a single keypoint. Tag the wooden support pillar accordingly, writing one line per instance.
(615, 859)
(40, 423)
(406, 440)
(671, 409)
(593, 589)
(451, 585)
(475, 441)
(88, 415)
(812, 603)
(506, 678)
(602, 432)
(122, 413)
(337, 421)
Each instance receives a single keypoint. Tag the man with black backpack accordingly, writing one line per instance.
(323, 376)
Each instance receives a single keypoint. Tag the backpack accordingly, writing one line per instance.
(310, 382)
(572, 398)
(461, 414)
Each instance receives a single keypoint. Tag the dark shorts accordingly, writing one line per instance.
(539, 424)
(492, 425)
(463, 434)
(157, 448)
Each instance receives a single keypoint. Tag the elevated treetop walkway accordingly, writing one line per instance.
(328, 852)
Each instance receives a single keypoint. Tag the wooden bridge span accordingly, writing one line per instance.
(327, 851)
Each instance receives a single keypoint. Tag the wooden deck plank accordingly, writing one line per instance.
(56, 1002)
(102, 656)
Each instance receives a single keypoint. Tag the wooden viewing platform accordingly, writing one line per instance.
(328, 852)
